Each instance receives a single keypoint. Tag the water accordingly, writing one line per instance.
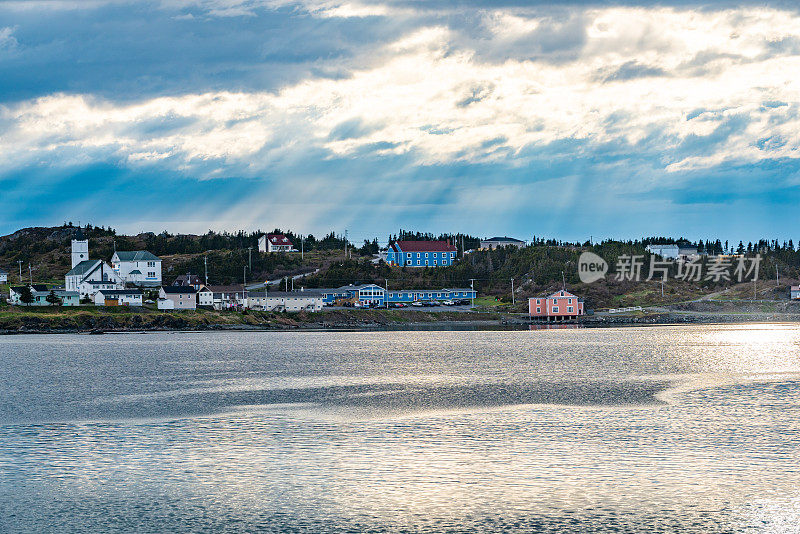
(659, 429)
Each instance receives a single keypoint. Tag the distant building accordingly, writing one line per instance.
(421, 254)
(667, 252)
(795, 293)
(229, 297)
(290, 301)
(437, 295)
(89, 276)
(375, 295)
(364, 295)
(495, 242)
(3, 277)
(275, 243)
(205, 297)
(558, 306)
(118, 297)
(39, 292)
(138, 267)
(182, 298)
(188, 279)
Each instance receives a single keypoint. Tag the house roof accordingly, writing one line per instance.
(99, 282)
(113, 292)
(136, 255)
(502, 239)
(559, 294)
(178, 289)
(83, 267)
(135, 271)
(424, 246)
(186, 279)
(284, 294)
(226, 289)
(279, 239)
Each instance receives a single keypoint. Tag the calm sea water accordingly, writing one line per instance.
(658, 429)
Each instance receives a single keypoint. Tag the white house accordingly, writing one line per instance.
(291, 301)
(496, 242)
(205, 297)
(228, 297)
(667, 252)
(795, 293)
(275, 243)
(3, 277)
(89, 276)
(182, 297)
(138, 267)
(118, 297)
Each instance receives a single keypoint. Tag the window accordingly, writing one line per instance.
(426, 254)
(569, 301)
(538, 310)
(569, 309)
(434, 262)
(151, 274)
(418, 254)
(555, 309)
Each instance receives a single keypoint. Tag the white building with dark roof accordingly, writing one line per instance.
(275, 243)
(138, 267)
(3, 277)
(497, 242)
(118, 297)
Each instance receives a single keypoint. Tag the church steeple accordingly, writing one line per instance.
(80, 248)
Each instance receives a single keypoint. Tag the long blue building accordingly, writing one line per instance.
(375, 295)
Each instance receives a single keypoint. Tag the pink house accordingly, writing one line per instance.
(558, 306)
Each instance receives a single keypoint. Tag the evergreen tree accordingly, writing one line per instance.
(26, 295)
(53, 299)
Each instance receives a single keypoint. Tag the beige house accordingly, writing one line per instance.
(182, 297)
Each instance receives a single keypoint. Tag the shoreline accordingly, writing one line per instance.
(102, 322)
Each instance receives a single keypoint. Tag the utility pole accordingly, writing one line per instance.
(386, 292)
(345, 243)
(563, 281)
(20, 270)
(30, 273)
(472, 287)
(777, 278)
(513, 301)
(205, 264)
(293, 283)
(302, 246)
(250, 258)
(462, 246)
(244, 275)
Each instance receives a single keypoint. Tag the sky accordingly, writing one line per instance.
(564, 119)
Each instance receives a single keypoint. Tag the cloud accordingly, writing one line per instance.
(379, 100)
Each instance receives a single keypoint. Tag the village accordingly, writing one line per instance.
(134, 279)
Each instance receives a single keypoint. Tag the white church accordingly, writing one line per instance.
(87, 277)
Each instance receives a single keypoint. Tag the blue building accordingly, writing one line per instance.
(375, 295)
(421, 254)
(365, 295)
(439, 295)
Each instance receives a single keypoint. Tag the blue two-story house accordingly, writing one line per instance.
(421, 254)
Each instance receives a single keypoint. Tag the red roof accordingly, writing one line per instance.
(278, 239)
(425, 246)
